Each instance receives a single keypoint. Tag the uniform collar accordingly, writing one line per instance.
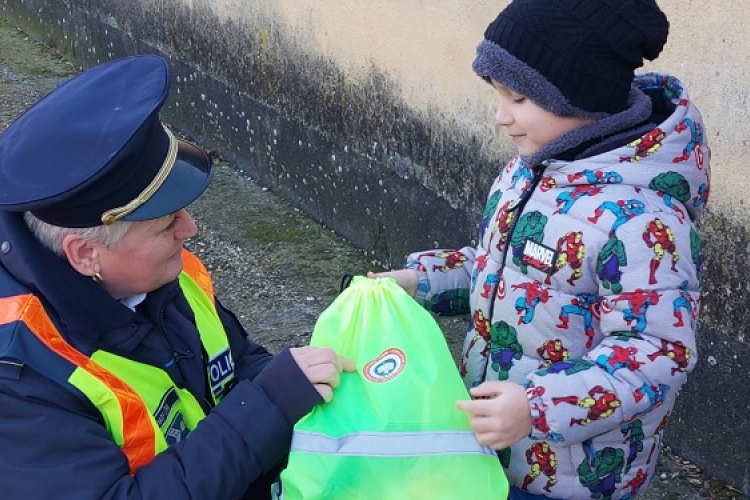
(133, 301)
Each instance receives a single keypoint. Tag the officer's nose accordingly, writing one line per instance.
(185, 226)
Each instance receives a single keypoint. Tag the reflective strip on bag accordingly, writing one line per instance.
(391, 444)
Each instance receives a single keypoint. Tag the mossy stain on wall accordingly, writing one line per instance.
(259, 57)
(352, 153)
(725, 290)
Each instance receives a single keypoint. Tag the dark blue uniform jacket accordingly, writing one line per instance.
(53, 443)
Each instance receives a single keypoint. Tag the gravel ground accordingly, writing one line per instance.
(273, 266)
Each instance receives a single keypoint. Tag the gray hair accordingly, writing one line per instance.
(52, 236)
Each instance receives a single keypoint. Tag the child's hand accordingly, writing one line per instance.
(502, 417)
(408, 279)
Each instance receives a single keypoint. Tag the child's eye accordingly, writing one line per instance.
(518, 99)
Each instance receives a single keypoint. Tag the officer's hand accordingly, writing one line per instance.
(322, 366)
(501, 416)
(408, 279)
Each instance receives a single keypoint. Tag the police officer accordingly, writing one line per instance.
(121, 374)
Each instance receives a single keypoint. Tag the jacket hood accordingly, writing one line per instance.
(676, 139)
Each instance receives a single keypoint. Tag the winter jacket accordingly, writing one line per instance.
(53, 441)
(584, 287)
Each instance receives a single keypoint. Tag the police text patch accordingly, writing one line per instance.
(220, 372)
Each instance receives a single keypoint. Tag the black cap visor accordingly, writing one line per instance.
(187, 180)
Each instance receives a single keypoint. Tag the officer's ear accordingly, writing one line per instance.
(81, 253)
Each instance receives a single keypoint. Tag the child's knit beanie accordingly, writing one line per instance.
(572, 57)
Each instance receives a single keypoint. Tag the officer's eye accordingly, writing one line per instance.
(171, 224)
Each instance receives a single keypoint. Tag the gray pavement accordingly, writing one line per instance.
(274, 266)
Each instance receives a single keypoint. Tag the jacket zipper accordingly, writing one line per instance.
(518, 208)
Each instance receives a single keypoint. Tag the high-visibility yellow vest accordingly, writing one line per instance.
(142, 408)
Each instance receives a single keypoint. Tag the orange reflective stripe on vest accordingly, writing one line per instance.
(192, 265)
(138, 436)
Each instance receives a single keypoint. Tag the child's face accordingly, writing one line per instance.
(530, 126)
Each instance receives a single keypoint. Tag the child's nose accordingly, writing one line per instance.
(502, 116)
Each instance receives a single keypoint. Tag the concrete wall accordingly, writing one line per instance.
(366, 114)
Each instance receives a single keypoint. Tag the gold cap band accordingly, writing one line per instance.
(118, 213)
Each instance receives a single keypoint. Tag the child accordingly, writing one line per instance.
(584, 287)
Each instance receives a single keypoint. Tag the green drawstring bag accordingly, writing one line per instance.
(392, 430)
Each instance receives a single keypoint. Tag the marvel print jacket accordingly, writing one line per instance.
(584, 288)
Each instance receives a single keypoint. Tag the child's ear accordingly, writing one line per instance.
(81, 253)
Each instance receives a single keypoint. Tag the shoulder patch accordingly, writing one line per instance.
(10, 369)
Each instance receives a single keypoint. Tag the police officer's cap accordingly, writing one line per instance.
(94, 150)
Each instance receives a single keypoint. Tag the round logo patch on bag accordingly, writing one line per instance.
(385, 367)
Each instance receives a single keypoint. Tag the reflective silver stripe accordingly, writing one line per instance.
(391, 444)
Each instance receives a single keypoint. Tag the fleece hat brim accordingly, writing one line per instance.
(492, 62)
